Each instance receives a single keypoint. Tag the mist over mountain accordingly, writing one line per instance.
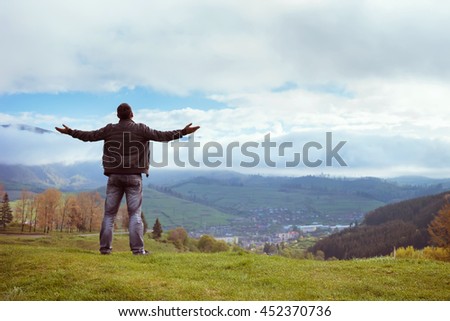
(86, 176)
(23, 127)
(80, 176)
(35, 146)
(304, 199)
(89, 175)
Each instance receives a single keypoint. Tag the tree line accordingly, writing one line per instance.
(53, 210)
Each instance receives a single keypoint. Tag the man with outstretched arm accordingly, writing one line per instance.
(126, 156)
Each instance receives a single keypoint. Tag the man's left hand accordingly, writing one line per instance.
(189, 129)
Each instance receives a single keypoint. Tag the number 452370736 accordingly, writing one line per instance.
(296, 310)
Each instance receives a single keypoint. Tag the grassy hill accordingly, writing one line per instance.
(248, 197)
(173, 212)
(273, 202)
(70, 268)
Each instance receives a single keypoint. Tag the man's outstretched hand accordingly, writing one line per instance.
(189, 129)
(66, 130)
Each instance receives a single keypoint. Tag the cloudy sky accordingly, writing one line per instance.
(374, 73)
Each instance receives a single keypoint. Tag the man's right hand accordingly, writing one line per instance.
(66, 130)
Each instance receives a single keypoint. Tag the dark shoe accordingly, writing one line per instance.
(105, 253)
(141, 253)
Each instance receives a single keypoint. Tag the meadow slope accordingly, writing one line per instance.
(70, 269)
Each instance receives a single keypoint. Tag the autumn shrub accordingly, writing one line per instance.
(408, 253)
(437, 253)
(208, 244)
(179, 237)
(430, 253)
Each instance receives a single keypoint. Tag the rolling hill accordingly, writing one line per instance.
(173, 212)
(261, 203)
(225, 202)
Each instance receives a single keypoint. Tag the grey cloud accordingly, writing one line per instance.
(382, 154)
(352, 40)
(227, 46)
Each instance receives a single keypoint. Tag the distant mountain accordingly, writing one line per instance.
(421, 181)
(84, 176)
(80, 176)
(36, 130)
(394, 225)
(89, 175)
(372, 188)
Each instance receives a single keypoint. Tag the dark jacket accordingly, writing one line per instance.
(126, 147)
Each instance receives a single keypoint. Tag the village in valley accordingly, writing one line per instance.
(276, 226)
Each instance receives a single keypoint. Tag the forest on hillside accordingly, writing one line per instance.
(395, 225)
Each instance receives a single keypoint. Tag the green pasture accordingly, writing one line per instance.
(69, 268)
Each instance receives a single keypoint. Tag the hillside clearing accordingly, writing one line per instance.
(70, 269)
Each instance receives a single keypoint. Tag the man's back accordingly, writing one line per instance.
(126, 145)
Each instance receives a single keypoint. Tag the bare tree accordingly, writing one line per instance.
(22, 208)
(35, 205)
(67, 202)
(90, 205)
(49, 201)
(74, 216)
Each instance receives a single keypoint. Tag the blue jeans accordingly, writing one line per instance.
(131, 186)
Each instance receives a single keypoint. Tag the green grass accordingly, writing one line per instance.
(249, 197)
(173, 211)
(70, 268)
